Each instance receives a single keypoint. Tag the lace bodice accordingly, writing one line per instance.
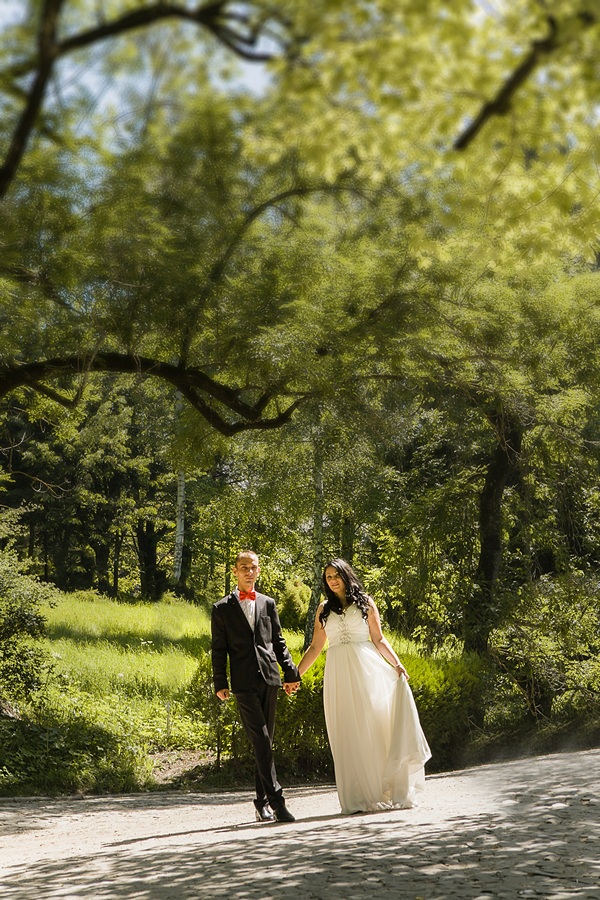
(347, 628)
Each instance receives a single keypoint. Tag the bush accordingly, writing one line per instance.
(449, 696)
(23, 665)
(549, 653)
(292, 604)
(448, 692)
(300, 744)
(222, 735)
(60, 757)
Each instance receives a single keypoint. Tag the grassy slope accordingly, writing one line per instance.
(118, 699)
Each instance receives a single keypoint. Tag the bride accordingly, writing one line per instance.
(378, 747)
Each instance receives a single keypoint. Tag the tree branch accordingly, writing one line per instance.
(301, 190)
(51, 394)
(218, 269)
(38, 278)
(193, 384)
(214, 17)
(500, 104)
(47, 53)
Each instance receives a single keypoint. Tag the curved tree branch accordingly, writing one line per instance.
(200, 390)
(214, 17)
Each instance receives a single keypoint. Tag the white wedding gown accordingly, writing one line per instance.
(376, 739)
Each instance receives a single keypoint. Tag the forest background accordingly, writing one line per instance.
(319, 279)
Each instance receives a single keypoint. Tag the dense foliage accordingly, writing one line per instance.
(23, 664)
(345, 302)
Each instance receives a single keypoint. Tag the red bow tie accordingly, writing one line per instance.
(247, 595)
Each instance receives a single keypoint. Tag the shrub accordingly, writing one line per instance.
(222, 736)
(23, 665)
(300, 745)
(449, 697)
(448, 693)
(59, 757)
(293, 604)
(549, 651)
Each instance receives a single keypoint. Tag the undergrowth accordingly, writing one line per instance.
(127, 681)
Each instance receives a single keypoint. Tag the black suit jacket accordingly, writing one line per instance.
(253, 655)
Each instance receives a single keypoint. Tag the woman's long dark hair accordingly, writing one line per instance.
(355, 592)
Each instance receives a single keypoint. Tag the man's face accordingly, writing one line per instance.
(247, 571)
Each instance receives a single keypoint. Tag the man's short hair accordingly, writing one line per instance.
(245, 553)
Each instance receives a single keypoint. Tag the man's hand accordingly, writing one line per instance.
(224, 694)
(290, 687)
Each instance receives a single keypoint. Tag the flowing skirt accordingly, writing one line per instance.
(378, 747)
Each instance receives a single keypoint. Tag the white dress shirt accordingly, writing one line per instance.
(248, 608)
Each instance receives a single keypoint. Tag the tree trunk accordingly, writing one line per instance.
(45, 552)
(318, 515)
(481, 613)
(179, 529)
(227, 562)
(152, 579)
(116, 564)
(347, 539)
(102, 556)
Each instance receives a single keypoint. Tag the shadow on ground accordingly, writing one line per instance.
(541, 839)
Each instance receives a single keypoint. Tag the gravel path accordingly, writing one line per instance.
(527, 828)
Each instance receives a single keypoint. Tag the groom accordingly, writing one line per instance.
(246, 629)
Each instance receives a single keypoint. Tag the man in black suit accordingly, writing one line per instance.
(246, 630)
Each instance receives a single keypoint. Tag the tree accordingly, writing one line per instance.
(519, 355)
(495, 60)
(95, 488)
(52, 23)
(358, 77)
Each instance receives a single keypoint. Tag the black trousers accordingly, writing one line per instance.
(257, 712)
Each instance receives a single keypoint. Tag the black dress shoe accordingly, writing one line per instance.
(282, 814)
(264, 814)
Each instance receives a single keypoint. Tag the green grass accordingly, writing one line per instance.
(87, 618)
(128, 665)
(117, 692)
(145, 650)
(132, 680)
(104, 667)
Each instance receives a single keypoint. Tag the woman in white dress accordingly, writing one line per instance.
(378, 747)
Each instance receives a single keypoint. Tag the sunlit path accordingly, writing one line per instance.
(528, 828)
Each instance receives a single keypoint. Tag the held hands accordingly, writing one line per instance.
(290, 688)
